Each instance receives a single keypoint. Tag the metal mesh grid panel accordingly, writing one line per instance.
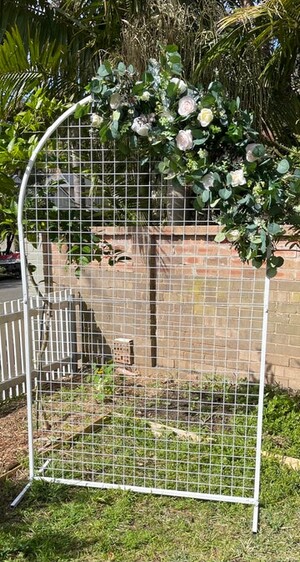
(163, 329)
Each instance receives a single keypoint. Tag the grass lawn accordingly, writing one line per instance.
(60, 523)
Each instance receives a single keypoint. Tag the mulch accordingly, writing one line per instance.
(13, 434)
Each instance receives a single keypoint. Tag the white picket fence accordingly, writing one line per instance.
(59, 356)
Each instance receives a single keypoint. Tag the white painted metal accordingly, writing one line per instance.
(261, 403)
(12, 337)
(182, 415)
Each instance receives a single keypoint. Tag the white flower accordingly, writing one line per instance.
(145, 96)
(96, 120)
(237, 178)
(115, 101)
(166, 114)
(208, 180)
(250, 157)
(205, 117)
(186, 106)
(202, 153)
(181, 85)
(184, 140)
(140, 126)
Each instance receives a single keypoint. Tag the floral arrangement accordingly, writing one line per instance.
(204, 140)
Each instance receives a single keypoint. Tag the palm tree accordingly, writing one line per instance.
(56, 44)
(266, 37)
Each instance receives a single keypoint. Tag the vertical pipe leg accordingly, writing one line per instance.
(255, 519)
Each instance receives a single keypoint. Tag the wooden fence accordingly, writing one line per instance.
(56, 319)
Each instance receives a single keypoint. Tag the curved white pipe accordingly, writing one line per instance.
(27, 327)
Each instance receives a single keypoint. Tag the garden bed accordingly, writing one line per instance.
(124, 429)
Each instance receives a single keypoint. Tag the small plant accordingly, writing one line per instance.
(282, 421)
(103, 381)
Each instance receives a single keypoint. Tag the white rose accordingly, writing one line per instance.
(184, 140)
(237, 178)
(250, 157)
(146, 96)
(141, 127)
(186, 106)
(208, 180)
(181, 85)
(205, 117)
(96, 120)
(115, 101)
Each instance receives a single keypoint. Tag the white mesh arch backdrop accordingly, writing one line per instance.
(145, 338)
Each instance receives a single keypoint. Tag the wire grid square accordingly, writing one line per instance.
(182, 418)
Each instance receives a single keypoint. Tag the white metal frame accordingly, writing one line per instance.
(37, 474)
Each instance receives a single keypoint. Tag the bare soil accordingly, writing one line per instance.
(64, 414)
(13, 434)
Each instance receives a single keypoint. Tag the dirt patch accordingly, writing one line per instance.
(71, 406)
(13, 434)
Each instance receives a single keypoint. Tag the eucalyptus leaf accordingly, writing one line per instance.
(274, 228)
(103, 70)
(283, 166)
(198, 203)
(220, 237)
(259, 150)
(206, 196)
(225, 193)
(172, 89)
(271, 272)
(121, 68)
(257, 263)
(197, 188)
(198, 142)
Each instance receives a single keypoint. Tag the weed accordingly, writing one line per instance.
(103, 380)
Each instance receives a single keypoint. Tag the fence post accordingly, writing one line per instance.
(72, 330)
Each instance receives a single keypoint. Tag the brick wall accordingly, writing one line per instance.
(189, 304)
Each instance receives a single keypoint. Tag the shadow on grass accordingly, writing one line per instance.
(27, 531)
(39, 495)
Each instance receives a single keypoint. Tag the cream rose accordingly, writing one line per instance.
(96, 120)
(181, 85)
(237, 178)
(141, 127)
(115, 101)
(205, 117)
(208, 180)
(250, 157)
(186, 106)
(146, 96)
(184, 140)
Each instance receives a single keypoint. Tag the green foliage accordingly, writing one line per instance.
(259, 42)
(282, 421)
(25, 67)
(206, 141)
(18, 138)
(103, 380)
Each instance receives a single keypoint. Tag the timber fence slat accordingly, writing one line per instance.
(57, 359)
